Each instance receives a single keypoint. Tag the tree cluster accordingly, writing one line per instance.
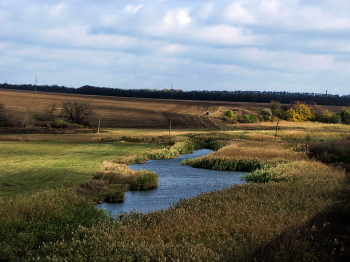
(73, 112)
(297, 112)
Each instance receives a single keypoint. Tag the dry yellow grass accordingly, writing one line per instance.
(261, 150)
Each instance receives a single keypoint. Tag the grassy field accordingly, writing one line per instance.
(294, 208)
(299, 213)
(28, 166)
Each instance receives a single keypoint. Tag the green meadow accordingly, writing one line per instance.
(30, 166)
(294, 207)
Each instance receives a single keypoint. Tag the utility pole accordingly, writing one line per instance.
(169, 126)
(99, 123)
(276, 134)
(25, 121)
(326, 98)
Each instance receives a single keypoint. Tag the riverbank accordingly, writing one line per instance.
(289, 220)
(299, 212)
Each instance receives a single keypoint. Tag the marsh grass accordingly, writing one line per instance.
(271, 220)
(109, 184)
(236, 224)
(27, 222)
(247, 156)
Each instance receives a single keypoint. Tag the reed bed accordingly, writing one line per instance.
(52, 215)
(109, 184)
(247, 156)
(236, 224)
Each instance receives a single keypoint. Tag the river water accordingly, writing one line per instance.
(175, 181)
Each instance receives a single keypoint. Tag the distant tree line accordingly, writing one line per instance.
(237, 96)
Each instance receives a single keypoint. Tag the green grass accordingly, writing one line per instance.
(28, 166)
(297, 211)
(27, 222)
(251, 222)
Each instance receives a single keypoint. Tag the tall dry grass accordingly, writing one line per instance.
(247, 156)
(230, 225)
(52, 215)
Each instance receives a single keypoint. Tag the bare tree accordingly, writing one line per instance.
(77, 112)
(49, 112)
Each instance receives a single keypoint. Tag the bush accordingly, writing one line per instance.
(335, 119)
(229, 113)
(345, 115)
(114, 194)
(266, 114)
(147, 180)
(299, 113)
(250, 118)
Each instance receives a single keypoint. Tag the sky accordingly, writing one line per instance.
(253, 45)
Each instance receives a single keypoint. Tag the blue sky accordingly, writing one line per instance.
(255, 45)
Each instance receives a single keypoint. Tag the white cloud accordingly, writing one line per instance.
(239, 13)
(132, 9)
(228, 44)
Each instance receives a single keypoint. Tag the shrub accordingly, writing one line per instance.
(335, 119)
(229, 113)
(250, 118)
(38, 117)
(299, 113)
(345, 115)
(275, 108)
(114, 194)
(266, 114)
(147, 180)
(225, 118)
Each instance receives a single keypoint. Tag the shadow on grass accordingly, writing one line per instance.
(325, 237)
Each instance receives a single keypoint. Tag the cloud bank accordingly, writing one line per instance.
(263, 45)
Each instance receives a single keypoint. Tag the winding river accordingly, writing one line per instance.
(176, 181)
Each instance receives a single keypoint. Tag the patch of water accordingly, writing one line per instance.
(175, 181)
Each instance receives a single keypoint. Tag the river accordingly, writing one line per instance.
(175, 182)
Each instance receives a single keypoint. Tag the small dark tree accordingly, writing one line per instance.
(77, 112)
(229, 113)
(345, 115)
(276, 108)
(266, 114)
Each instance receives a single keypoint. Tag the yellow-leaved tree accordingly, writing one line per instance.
(299, 113)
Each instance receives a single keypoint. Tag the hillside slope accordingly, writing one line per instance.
(125, 112)
(121, 112)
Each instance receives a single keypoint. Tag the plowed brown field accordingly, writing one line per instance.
(121, 112)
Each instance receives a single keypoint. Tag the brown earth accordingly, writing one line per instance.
(121, 112)
(126, 112)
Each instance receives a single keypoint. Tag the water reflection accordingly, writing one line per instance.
(175, 182)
